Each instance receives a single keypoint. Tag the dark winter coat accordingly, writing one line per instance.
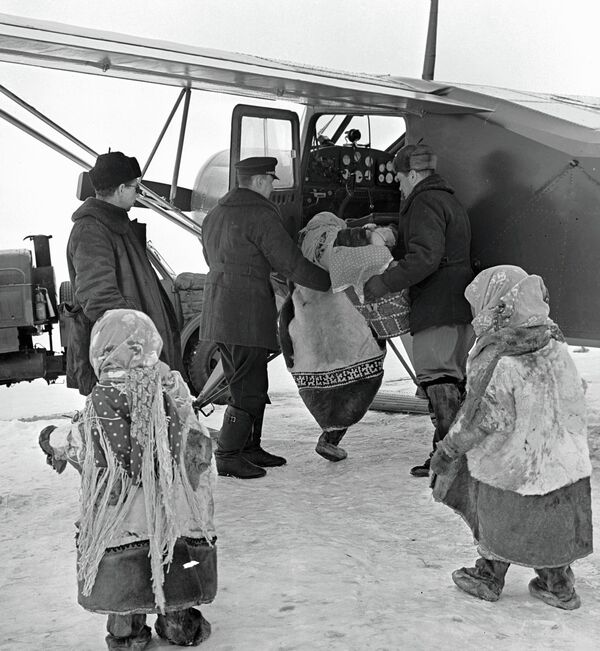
(436, 263)
(244, 240)
(109, 269)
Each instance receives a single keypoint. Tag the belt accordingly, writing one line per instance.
(240, 269)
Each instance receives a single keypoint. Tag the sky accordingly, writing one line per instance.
(542, 45)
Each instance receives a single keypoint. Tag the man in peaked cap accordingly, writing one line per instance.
(244, 240)
(109, 267)
(434, 263)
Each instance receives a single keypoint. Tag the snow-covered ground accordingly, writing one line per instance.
(348, 556)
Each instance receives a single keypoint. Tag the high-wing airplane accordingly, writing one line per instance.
(526, 165)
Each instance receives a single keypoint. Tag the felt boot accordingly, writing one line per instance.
(327, 445)
(556, 587)
(183, 627)
(485, 580)
(445, 399)
(254, 453)
(236, 428)
(127, 632)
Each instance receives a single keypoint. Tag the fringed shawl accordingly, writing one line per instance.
(134, 439)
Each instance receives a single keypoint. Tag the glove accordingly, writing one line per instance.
(375, 289)
(440, 462)
(44, 440)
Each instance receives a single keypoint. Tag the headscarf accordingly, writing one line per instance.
(129, 443)
(122, 340)
(317, 238)
(510, 318)
(506, 296)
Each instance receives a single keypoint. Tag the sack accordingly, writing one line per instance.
(389, 316)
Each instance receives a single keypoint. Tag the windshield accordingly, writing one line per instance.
(375, 131)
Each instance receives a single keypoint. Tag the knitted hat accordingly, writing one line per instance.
(415, 157)
(112, 169)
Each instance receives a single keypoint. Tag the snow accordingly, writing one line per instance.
(316, 555)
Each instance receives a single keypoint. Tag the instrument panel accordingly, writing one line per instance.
(350, 181)
(360, 166)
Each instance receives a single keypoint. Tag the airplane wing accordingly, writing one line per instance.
(66, 47)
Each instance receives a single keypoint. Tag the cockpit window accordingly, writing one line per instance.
(375, 131)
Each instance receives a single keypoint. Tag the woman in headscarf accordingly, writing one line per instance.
(515, 463)
(145, 541)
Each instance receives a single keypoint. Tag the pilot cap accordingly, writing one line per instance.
(415, 157)
(112, 169)
(257, 165)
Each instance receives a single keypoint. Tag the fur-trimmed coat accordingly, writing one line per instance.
(533, 438)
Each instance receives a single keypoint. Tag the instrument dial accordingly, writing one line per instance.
(358, 175)
(346, 159)
(345, 174)
(389, 177)
(382, 167)
(357, 156)
(368, 175)
(368, 161)
(389, 166)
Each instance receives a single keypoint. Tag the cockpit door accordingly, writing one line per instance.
(262, 131)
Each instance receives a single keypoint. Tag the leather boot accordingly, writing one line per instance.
(252, 450)
(236, 428)
(327, 445)
(485, 580)
(444, 401)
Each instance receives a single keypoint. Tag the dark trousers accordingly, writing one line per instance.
(245, 369)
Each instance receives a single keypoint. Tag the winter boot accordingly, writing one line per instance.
(556, 587)
(444, 401)
(423, 469)
(237, 425)
(183, 627)
(254, 453)
(127, 632)
(327, 445)
(485, 580)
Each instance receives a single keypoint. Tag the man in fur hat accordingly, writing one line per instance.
(109, 267)
(435, 266)
(244, 240)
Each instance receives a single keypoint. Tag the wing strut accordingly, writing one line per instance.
(147, 198)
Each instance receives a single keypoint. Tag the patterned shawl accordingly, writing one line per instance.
(129, 443)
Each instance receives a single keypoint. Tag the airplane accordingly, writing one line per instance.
(525, 165)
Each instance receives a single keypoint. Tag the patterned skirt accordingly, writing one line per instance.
(339, 398)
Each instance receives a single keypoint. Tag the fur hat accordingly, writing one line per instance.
(112, 169)
(415, 157)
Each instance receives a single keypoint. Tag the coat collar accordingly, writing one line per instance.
(432, 182)
(113, 217)
(244, 197)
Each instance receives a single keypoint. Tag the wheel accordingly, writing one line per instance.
(65, 293)
(202, 362)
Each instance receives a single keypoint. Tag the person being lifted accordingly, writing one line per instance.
(244, 240)
(434, 264)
